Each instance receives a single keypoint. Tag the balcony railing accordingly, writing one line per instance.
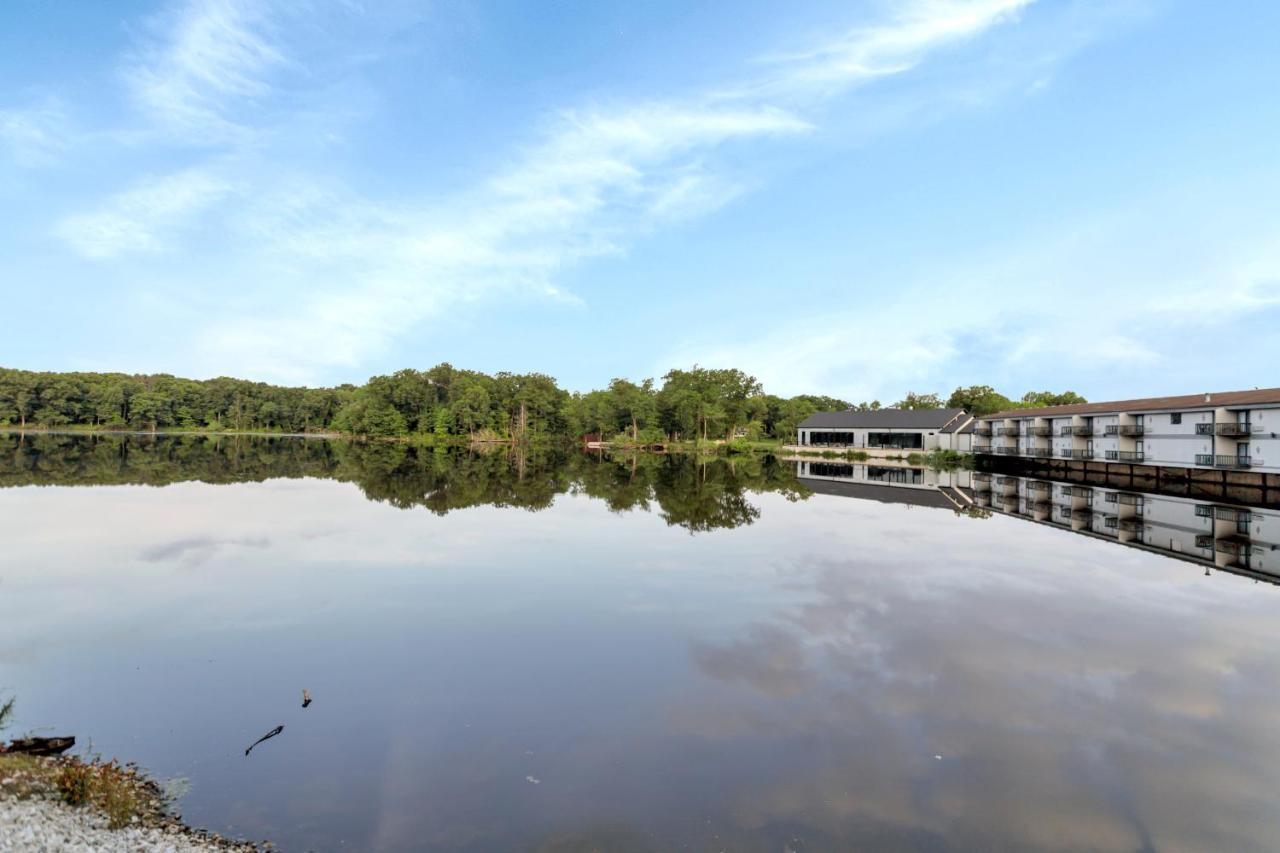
(1007, 451)
(1078, 491)
(1226, 461)
(1126, 456)
(1007, 481)
(1040, 430)
(1204, 429)
(1131, 525)
(1006, 430)
(1204, 540)
(1233, 429)
(1072, 453)
(1110, 429)
(1039, 486)
(1132, 429)
(1126, 498)
(1082, 429)
(1082, 514)
(1234, 546)
(1040, 451)
(984, 431)
(1230, 513)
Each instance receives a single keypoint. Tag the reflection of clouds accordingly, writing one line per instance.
(770, 659)
(1102, 706)
(196, 550)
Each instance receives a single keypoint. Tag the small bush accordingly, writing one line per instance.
(74, 783)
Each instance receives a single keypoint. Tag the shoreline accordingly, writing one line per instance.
(68, 803)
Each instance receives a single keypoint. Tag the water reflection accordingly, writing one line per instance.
(831, 673)
(698, 495)
(1238, 538)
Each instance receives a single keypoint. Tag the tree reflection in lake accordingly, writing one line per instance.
(697, 494)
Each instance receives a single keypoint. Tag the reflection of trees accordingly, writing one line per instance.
(698, 494)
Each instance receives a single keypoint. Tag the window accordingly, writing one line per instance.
(1175, 418)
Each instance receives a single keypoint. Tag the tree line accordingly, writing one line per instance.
(446, 403)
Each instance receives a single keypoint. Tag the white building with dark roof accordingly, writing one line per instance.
(888, 429)
(1234, 430)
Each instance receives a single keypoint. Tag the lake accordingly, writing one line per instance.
(567, 652)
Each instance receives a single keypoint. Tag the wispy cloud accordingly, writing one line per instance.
(138, 219)
(367, 270)
(212, 55)
(35, 136)
(889, 47)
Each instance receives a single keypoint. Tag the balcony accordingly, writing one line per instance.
(1044, 452)
(1071, 453)
(1007, 481)
(1204, 429)
(1007, 451)
(1236, 546)
(1006, 430)
(1132, 429)
(984, 431)
(1040, 430)
(1082, 514)
(1083, 429)
(1233, 429)
(1132, 525)
(1126, 456)
(1077, 491)
(1230, 513)
(1039, 486)
(1126, 498)
(1225, 461)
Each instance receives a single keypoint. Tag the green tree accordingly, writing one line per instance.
(919, 401)
(979, 400)
(1036, 399)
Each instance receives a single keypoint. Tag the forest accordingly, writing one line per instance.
(445, 404)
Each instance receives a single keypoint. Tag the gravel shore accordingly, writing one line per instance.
(49, 826)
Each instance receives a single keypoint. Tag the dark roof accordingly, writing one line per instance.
(1226, 399)
(931, 496)
(960, 425)
(881, 419)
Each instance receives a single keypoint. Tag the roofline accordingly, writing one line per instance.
(1214, 400)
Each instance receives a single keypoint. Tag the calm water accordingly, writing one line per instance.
(574, 653)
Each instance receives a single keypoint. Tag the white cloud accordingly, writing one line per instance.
(363, 271)
(138, 219)
(594, 181)
(35, 136)
(891, 47)
(214, 54)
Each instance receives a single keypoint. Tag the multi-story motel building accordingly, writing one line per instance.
(1239, 538)
(888, 429)
(1235, 430)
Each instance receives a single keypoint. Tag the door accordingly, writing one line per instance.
(1138, 446)
(1242, 451)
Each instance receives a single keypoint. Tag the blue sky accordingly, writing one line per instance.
(848, 198)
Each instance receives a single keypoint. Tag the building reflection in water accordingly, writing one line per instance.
(1218, 534)
(888, 483)
(1237, 538)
